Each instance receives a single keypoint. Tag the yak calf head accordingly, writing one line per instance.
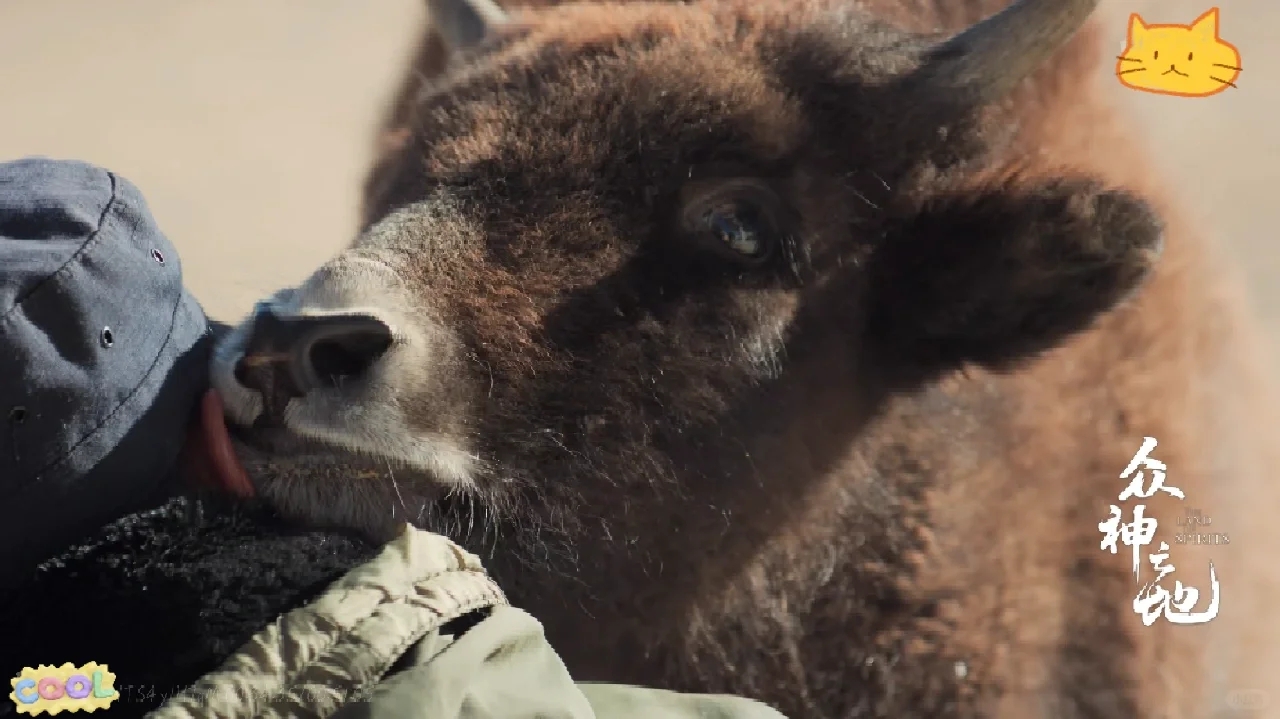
(637, 274)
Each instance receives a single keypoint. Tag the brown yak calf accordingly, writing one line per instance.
(774, 348)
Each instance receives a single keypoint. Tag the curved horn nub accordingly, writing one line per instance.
(464, 23)
(986, 60)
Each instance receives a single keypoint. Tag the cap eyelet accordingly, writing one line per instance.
(107, 337)
(18, 415)
(157, 255)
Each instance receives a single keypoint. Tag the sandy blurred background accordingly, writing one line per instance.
(248, 123)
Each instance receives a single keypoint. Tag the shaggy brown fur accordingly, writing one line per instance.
(862, 477)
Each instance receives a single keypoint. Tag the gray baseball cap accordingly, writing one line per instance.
(103, 356)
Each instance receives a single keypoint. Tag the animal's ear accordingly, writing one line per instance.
(464, 23)
(998, 276)
(1137, 28)
(1206, 26)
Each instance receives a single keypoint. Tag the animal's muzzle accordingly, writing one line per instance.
(288, 356)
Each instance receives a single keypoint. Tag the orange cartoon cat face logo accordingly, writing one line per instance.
(1185, 60)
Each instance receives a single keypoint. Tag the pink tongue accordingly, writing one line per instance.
(213, 450)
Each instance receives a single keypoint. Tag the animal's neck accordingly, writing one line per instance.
(704, 562)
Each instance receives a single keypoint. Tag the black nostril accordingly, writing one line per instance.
(329, 350)
(348, 353)
(289, 355)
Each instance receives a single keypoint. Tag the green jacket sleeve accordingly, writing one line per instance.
(421, 632)
(503, 668)
(498, 669)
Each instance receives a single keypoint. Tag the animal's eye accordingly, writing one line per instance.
(738, 226)
(1155, 55)
(735, 219)
(1189, 55)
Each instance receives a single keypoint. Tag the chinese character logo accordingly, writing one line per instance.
(65, 688)
(1183, 60)
(1152, 599)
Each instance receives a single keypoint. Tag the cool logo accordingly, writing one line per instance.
(77, 686)
(54, 689)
